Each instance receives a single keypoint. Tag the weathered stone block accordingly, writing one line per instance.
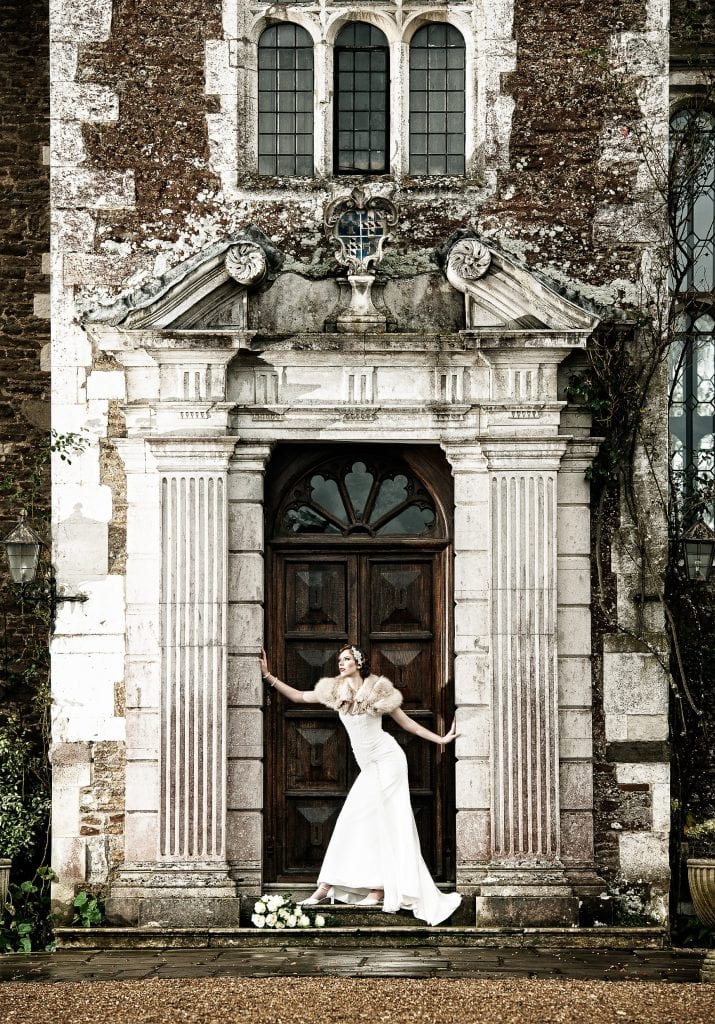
(644, 856)
(245, 626)
(575, 733)
(143, 683)
(473, 837)
(574, 631)
(573, 529)
(576, 781)
(634, 684)
(106, 384)
(69, 859)
(142, 786)
(244, 683)
(471, 618)
(573, 584)
(141, 841)
(526, 911)
(576, 837)
(575, 686)
(657, 778)
(647, 727)
(245, 733)
(97, 190)
(244, 486)
(244, 837)
(245, 576)
(84, 101)
(245, 785)
(472, 679)
(143, 728)
(472, 784)
(245, 526)
(474, 728)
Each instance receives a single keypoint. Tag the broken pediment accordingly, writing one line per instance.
(500, 293)
(208, 291)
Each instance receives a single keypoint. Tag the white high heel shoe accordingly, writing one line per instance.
(319, 896)
(370, 900)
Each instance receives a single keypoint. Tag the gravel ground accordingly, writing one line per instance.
(338, 1000)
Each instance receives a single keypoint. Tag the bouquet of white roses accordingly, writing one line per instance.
(277, 911)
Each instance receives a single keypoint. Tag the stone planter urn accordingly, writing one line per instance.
(4, 881)
(701, 877)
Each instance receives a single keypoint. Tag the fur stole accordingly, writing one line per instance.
(377, 696)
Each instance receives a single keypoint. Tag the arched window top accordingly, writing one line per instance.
(438, 34)
(437, 100)
(358, 497)
(285, 100)
(357, 35)
(692, 183)
(285, 33)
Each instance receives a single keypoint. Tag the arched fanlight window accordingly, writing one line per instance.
(285, 101)
(437, 75)
(355, 497)
(362, 100)
(692, 353)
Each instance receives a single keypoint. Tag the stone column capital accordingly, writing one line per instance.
(525, 454)
(464, 456)
(251, 457)
(192, 453)
(580, 453)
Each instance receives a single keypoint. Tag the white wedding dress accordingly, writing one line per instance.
(375, 843)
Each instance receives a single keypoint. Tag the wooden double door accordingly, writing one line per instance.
(387, 594)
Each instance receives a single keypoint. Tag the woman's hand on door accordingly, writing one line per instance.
(263, 663)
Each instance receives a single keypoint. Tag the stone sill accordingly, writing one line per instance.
(355, 938)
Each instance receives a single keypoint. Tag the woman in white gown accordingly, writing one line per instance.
(374, 853)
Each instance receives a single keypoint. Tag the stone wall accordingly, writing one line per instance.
(24, 285)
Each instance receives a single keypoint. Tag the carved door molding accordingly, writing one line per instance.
(359, 548)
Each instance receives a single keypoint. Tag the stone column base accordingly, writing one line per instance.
(707, 970)
(174, 896)
(537, 906)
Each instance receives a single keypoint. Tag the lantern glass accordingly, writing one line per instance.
(699, 554)
(22, 547)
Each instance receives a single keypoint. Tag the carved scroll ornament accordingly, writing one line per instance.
(246, 263)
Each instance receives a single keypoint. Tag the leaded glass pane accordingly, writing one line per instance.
(362, 100)
(285, 84)
(361, 498)
(437, 76)
(692, 353)
(693, 199)
(692, 417)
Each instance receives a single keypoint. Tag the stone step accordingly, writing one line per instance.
(351, 937)
(343, 915)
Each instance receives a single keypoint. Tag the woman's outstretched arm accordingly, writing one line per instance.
(297, 696)
(419, 730)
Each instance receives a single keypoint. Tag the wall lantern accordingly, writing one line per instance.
(699, 552)
(22, 548)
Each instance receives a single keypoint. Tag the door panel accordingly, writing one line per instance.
(316, 598)
(400, 597)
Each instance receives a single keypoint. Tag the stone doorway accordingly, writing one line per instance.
(359, 548)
